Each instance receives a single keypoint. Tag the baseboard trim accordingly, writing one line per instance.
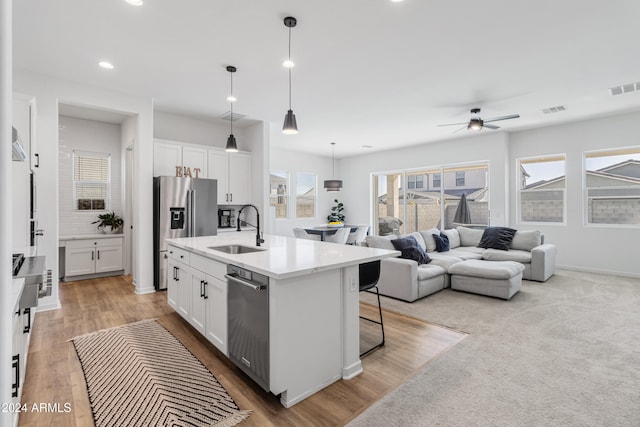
(48, 307)
(147, 290)
(598, 271)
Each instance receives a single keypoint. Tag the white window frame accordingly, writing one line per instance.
(287, 196)
(541, 158)
(585, 189)
(107, 199)
(315, 195)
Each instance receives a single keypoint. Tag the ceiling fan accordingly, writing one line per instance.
(476, 123)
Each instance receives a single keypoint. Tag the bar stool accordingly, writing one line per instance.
(369, 275)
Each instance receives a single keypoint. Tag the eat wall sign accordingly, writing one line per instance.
(185, 171)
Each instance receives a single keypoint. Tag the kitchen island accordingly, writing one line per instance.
(313, 303)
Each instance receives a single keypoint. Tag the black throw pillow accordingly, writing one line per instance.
(442, 242)
(411, 249)
(497, 238)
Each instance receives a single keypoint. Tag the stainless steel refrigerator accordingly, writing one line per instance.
(182, 207)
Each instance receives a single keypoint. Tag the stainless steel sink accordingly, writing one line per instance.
(236, 249)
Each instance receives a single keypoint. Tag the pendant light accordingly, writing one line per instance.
(231, 146)
(290, 126)
(333, 184)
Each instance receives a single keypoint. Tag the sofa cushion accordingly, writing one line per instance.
(466, 252)
(454, 237)
(443, 259)
(428, 238)
(510, 255)
(497, 238)
(410, 249)
(526, 240)
(469, 236)
(418, 236)
(427, 271)
(487, 269)
(381, 242)
(442, 242)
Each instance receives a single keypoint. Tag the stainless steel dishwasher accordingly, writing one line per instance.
(248, 322)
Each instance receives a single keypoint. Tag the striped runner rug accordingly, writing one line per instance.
(139, 374)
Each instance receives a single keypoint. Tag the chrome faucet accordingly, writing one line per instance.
(259, 239)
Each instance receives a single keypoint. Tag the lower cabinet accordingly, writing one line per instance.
(93, 256)
(22, 322)
(198, 292)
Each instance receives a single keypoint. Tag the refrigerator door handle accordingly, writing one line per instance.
(193, 213)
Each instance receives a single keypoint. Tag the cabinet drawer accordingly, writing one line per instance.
(112, 242)
(178, 254)
(81, 244)
(209, 266)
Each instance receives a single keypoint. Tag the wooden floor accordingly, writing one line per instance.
(54, 374)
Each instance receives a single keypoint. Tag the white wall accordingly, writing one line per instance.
(20, 173)
(97, 137)
(600, 248)
(356, 172)
(175, 127)
(48, 93)
(293, 162)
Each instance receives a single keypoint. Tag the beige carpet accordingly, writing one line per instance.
(140, 375)
(561, 353)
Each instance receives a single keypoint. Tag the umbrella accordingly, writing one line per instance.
(462, 216)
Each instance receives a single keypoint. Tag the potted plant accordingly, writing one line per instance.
(109, 222)
(336, 217)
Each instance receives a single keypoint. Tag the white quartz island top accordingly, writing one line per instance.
(282, 257)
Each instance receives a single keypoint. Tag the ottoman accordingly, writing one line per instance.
(501, 279)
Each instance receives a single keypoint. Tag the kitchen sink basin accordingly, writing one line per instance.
(236, 249)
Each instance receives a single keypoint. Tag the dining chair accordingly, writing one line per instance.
(340, 236)
(369, 273)
(301, 233)
(358, 236)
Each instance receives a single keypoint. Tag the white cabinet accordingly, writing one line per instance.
(21, 334)
(93, 256)
(176, 159)
(233, 172)
(197, 290)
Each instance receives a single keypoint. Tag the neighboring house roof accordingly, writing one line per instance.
(628, 168)
(615, 180)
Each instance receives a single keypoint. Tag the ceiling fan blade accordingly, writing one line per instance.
(495, 119)
(458, 130)
(454, 124)
(491, 126)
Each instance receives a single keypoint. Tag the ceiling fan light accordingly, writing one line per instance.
(232, 146)
(333, 184)
(475, 125)
(290, 126)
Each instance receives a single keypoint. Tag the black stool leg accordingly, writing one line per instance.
(381, 323)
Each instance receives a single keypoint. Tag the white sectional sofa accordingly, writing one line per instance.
(404, 279)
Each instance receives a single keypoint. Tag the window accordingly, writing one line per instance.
(460, 179)
(436, 180)
(612, 186)
(542, 189)
(398, 210)
(91, 181)
(305, 195)
(278, 192)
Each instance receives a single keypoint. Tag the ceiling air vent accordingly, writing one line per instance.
(236, 116)
(626, 88)
(555, 109)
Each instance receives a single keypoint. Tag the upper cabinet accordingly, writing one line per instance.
(233, 172)
(177, 159)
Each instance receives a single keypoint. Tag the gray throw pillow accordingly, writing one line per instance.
(469, 236)
(526, 240)
(380, 242)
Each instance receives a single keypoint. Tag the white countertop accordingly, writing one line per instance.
(282, 257)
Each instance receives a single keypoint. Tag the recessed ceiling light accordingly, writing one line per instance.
(366, 146)
(231, 98)
(106, 65)
(135, 2)
(288, 63)
(396, 1)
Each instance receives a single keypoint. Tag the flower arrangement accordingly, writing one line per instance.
(336, 217)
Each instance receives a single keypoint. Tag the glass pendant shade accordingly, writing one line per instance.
(290, 126)
(333, 184)
(231, 146)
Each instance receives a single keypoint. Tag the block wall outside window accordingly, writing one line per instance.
(612, 186)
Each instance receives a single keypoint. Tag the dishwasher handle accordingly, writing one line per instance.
(245, 283)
